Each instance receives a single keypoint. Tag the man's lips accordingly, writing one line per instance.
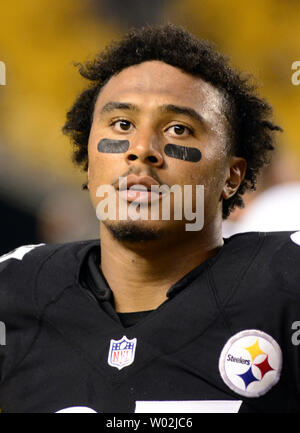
(132, 181)
(138, 188)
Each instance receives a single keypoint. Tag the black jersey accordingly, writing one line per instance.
(226, 339)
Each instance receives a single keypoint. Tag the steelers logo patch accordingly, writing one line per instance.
(250, 363)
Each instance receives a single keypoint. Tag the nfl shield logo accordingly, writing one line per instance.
(121, 352)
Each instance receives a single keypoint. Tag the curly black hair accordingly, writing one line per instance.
(251, 135)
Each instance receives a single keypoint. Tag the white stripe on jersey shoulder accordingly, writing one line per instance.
(295, 237)
(19, 253)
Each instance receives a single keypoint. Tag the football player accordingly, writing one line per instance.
(160, 314)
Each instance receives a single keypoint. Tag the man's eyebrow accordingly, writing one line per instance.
(167, 108)
(187, 111)
(111, 106)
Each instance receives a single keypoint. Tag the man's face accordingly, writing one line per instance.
(151, 105)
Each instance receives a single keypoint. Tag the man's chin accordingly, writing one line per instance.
(133, 231)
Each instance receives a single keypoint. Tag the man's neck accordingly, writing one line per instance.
(140, 277)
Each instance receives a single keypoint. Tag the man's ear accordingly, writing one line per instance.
(236, 174)
(88, 176)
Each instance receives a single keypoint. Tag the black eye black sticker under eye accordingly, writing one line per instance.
(182, 152)
(113, 146)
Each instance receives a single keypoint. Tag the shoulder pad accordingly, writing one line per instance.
(31, 276)
(269, 257)
(278, 258)
(17, 253)
(31, 269)
(285, 261)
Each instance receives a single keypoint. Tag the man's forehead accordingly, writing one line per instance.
(161, 79)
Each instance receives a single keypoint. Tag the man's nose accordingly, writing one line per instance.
(145, 149)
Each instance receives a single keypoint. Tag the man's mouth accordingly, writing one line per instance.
(142, 189)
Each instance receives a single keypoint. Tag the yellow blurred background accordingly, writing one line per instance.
(40, 40)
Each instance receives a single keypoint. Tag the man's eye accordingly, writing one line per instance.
(179, 130)
(122, 125)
